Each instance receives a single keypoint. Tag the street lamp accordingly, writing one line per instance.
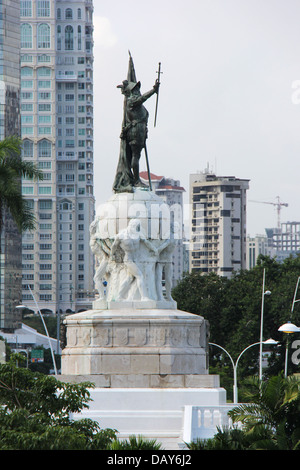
(288, 328)
(295, 293)
(267, 292)
(234, 365)
(50, 345)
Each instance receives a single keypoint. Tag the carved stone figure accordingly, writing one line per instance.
(129, 241)
(102, 252)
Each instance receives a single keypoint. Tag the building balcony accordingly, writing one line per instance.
(66, 76)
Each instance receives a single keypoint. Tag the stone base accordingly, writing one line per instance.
(145, 380)
(134, 304)
(151, 348)
(153, 413)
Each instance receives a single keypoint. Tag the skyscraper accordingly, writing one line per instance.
(284, 241)
(10, 261)
(218, 223)
(57, 133)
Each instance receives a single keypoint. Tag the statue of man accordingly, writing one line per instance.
(133, 135)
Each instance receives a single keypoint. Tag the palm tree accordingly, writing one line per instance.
(273, 416)
(12, 169)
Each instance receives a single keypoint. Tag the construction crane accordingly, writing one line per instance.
(278, 205)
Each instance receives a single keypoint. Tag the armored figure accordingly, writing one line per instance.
(134, 132)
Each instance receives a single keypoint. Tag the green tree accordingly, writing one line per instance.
(12, 169)
(224, 439)
(233, 310)
(134, 443)
(35, 413)
(270, 421)
(272, 416)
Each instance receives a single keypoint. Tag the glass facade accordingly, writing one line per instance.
(57, 131)
(10, 256)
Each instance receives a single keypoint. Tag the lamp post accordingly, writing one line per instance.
(295, 294)
(234, 365)
(262, 322)
(44, 324)
(288, 328)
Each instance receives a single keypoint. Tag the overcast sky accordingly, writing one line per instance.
(226, 98)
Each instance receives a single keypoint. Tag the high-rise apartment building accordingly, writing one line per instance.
(57, 133)
(171, 192)
(10, 238)
(284, 241)
(218, 223)
(256, 246)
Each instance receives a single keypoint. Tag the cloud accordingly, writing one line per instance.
(103, 34)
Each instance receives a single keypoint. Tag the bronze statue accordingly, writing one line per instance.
(134, 132)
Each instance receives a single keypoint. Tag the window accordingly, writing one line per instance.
(27, 190)
(44, 165)
(79, 37)
(26, 58)
(44, 296)
(45, 286)
(27, 149)
(44, 148)
(45, 130)
(43, 71)
(26, 36)
(45, 119)
(44, 58)
(45, 190)
(27, 119)
(43, 41)
(46, 95)
(69, 109)
(26, 7)
(43, 8)
(69, 38)
(26, 72)
(26, 107)
(45, 107)
(69, 14)
(44, 83)
(69, 86)
(58, 44)
(26, 95)
(79, 13)
(27, 130)
(45, 204)
(26, 84)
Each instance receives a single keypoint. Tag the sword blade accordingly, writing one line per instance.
(158, 81)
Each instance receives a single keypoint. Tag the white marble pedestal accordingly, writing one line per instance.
(126, 347)
(147, 365)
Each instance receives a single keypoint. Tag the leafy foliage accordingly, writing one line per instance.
(134, 443)
(270, 421)
(233, 310)
(35, 413)
(12, 169)
(272, 417)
